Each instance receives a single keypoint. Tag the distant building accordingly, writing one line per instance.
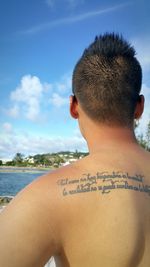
(72, 160)
(30, 160)
(68, 162)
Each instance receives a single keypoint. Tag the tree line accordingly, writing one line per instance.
(44, 160)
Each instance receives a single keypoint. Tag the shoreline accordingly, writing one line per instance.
(25, 169)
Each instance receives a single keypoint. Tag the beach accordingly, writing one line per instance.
(23, 169)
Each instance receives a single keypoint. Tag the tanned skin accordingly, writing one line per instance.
(95, 212)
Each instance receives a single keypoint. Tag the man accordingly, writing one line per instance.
(95, 212)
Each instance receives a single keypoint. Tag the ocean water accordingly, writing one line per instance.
(12, 182)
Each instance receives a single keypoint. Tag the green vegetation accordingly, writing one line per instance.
(145, 141)
(50, 160)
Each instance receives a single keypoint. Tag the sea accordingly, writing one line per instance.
(13, 180)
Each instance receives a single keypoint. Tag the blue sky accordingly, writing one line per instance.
(41, 40)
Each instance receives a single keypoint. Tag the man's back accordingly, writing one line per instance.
(95, 212)
(104, 211)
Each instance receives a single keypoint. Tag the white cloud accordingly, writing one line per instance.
(13, 143)
(30, 87)
(64, 85)
(32, 98)
(61, 88)
(27, 97)
(33, 109)
(58, 101)
(74, 19)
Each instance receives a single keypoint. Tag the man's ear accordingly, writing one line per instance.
(139, 107)
(74, 107)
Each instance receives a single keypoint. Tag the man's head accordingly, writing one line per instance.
(107, 81)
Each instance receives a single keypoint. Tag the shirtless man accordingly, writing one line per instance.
(95, 212)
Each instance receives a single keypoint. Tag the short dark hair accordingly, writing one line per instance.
(107, 80)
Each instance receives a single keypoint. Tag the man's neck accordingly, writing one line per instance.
(104, 137)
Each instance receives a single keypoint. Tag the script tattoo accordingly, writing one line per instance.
(104, 182)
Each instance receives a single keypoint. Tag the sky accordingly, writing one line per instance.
(40, 43)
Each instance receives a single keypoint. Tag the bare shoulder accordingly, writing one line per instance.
(42, 197)
(44, 190)
(29, 226)
(43, 193)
